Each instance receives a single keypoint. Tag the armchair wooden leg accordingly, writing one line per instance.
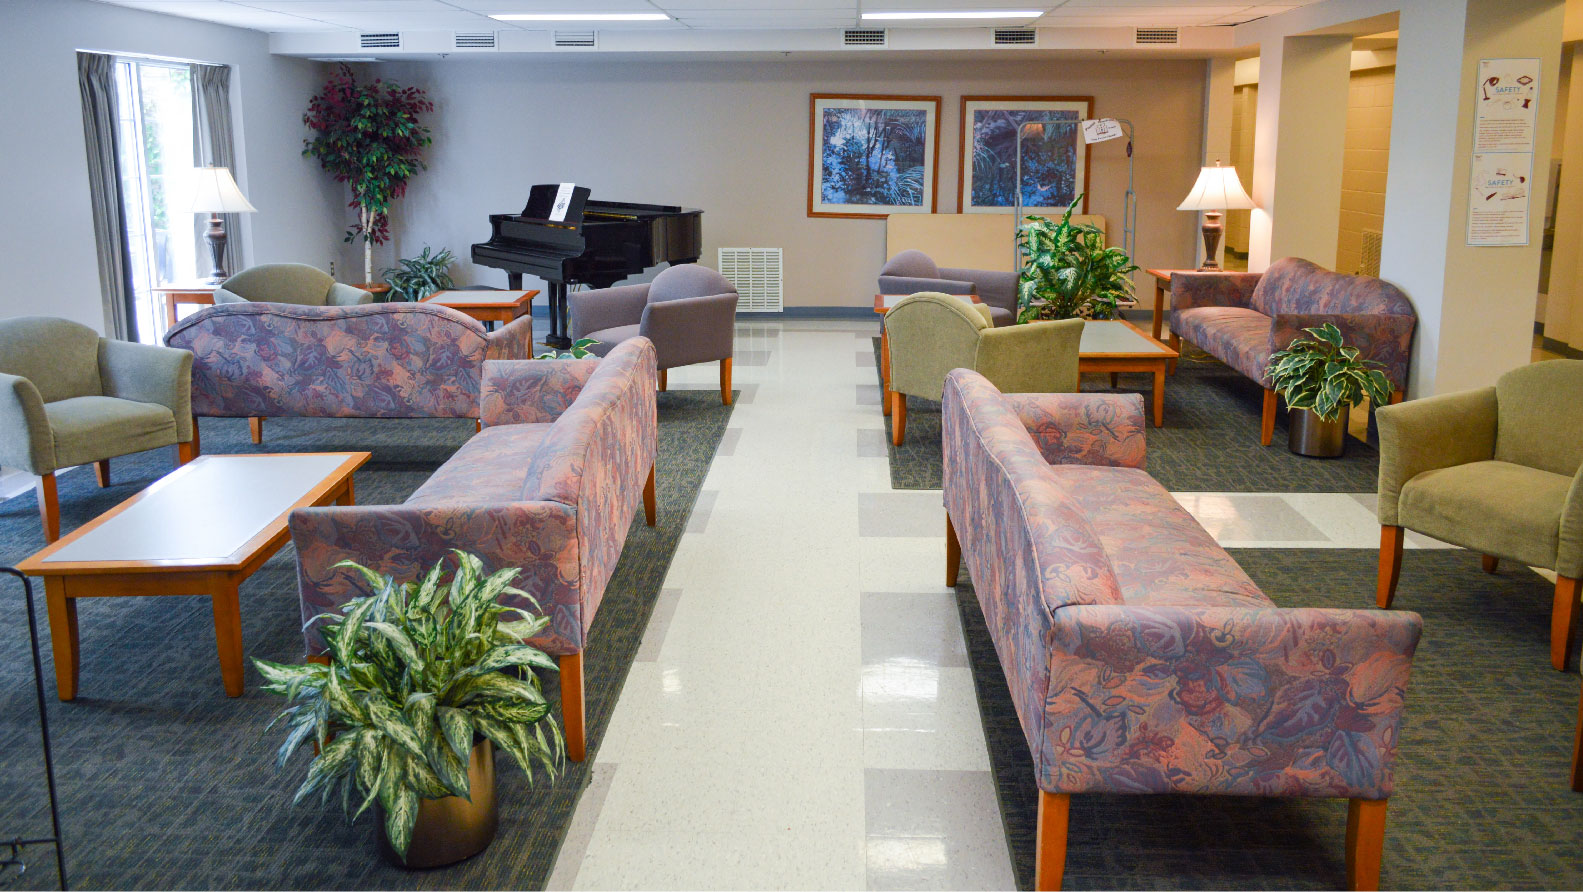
(648, 498)
(197, 447)
(884, 371)
(101, 472)
(898, 417)
(186, 452)
(953, 553)
(62, 636)
(572, 706)
(1267, 422)
(664, 380)
(1390, 565)
(255, 426)
(49, 506)
(1175, 343)
(1577, 752)
(1365, 842)
(1049, 860)
(1490, 562)
(1397, 396)
(1563, 621)
(725, 381)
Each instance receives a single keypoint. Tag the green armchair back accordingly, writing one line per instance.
(289, 283)
(931, 334)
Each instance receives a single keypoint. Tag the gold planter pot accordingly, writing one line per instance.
(452, 829)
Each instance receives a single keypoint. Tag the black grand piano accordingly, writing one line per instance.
(595, 243)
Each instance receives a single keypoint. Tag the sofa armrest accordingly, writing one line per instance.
(27, 442)
(514, 340)
(1438, 432)
(346, 296)
(1084, 428)
(691, 329)
(605, 308)
(1225, 700)
(915, 284)
(1211, 289)
(530, 391)
(145, 373)
(1036, 357)
(1385, 338)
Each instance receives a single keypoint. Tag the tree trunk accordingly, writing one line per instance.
(368, 245)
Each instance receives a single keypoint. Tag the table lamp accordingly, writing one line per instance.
(214, 192)
(1217, 190)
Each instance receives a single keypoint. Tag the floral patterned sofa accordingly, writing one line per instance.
(391, 360)
(1140, 657)
(550, 485)
(1243, 318)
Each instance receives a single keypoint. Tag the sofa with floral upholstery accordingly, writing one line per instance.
(1243, 318)
(391, 360)
(550, 485)
(1140, 657)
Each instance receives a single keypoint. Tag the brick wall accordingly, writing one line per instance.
(1363, 168)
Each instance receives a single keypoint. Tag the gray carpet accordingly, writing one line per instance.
(168, 784)
(1482, 797)
(1210, 441)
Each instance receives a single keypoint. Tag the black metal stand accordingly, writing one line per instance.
(14, 858)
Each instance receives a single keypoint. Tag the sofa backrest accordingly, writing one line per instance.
(688, 280)
(1540, 410)
(1294, 285)
(59, 356)
(281, 283)
(912, 264)
(394, 360)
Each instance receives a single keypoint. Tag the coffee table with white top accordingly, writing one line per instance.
(200, 530)
(1116, 345)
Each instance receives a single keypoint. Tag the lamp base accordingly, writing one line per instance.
(216, 239)
(1214, 225)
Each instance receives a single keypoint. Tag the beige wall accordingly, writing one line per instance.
(1365, 162)
(732, 138)
(1244, 108)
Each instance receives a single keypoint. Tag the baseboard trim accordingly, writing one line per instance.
(811, 313)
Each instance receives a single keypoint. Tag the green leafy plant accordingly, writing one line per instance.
(1068, 272)
(414, 278)
(415, 672)
(579, 351)
(1322, 374)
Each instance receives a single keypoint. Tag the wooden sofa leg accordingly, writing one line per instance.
(572, 706)
(664, 380)
(1365, 842)
(1563, 620)
(1267, 422)
(49, 506)
(953, 553)
(648, 498)
(1577, 752)
(1490, 562)
(898, 417)
(1049, 860)
(101, 472)
(255, 426)
(725, 381)
(1390, 565)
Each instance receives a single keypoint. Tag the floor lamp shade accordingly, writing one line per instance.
(214, 192)
(1217, 189)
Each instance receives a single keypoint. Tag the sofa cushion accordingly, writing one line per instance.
(608, 338)
(1159, 553)
(1000, 317)
(90, 428)
(1240, 338)
(1491, 506)
(488, 468)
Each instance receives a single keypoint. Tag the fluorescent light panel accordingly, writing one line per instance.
(956, 14)
(581, 17)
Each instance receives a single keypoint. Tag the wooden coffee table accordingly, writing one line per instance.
(882, 305)
(1116, 346)
(200, 530)
(488, 307)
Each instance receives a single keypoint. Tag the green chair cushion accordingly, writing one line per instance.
(1493, 507)
(59, 356)
(91, 428)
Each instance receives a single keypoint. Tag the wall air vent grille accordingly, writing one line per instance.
(577, 40)
(1156, 37)
(473, 40)
(1016, 36)
(863, 37)
(1373, 242)
(381, 40)
(756, 273)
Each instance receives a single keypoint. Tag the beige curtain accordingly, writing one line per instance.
(213, 145)
(96, 81)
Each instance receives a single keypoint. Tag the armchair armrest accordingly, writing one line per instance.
(1037, 357)
(605, 308)
(222, 296)
(1104, 429)
(27, 442)
(1438, 432)
(1303, 701)
(1569, 556)
(997, 288)
(531, 391)
(145, 373)
(514, 340)
(1194, 289)
(915, 284)
(1385, 338)
(691, 329)
(346, 296)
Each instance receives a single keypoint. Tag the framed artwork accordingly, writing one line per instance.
(1054, 159)
(872, 156)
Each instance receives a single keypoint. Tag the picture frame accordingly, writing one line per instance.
(870, 156)
(987, 153)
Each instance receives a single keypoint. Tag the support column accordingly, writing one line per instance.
(1564, 310)
(1219, 95)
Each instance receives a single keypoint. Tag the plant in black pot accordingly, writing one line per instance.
(423, 680)
(1321, 378)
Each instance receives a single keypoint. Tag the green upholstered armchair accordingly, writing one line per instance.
(289, 283)
(1494, 470)
(932, 333)
(69, 397)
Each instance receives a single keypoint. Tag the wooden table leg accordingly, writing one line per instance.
(62, 636)
(1159, 307)
(228, 637)
(1159, 397)
(1577, 752)
(884, 369)
(347, 496)
(170, 309)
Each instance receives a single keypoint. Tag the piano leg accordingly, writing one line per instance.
(558, 317)
(513, 281)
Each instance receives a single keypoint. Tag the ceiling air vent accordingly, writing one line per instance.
(382, 40)
(863, 37)
(1156, 37)
(583, 40)
(1016, 36)
(473, 40)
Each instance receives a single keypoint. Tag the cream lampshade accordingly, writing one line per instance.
(214, 192)
(1217, 190)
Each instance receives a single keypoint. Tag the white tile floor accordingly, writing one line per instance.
(801, 714)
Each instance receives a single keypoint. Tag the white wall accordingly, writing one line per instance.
(732, 138)
(46, 222)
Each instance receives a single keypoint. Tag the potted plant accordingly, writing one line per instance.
(579, 351)
(1068, 272)
(423, 680)
(1320, 378)
(369, 136)
(414, 278)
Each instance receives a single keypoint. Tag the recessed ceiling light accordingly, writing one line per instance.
(957, 14)
(582, 17)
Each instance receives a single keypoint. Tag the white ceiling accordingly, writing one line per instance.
(473, 15)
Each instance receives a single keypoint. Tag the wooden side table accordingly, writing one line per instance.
(194, 292)
(1162, 284)
(488, 307)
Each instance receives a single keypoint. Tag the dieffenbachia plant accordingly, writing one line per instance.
(1322, 374)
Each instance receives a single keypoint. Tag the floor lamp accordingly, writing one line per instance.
(1096, 130)
(214, 193)
(14, 859)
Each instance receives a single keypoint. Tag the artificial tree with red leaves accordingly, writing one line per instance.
(368, 136)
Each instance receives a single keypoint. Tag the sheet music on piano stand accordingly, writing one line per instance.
(542, 201)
